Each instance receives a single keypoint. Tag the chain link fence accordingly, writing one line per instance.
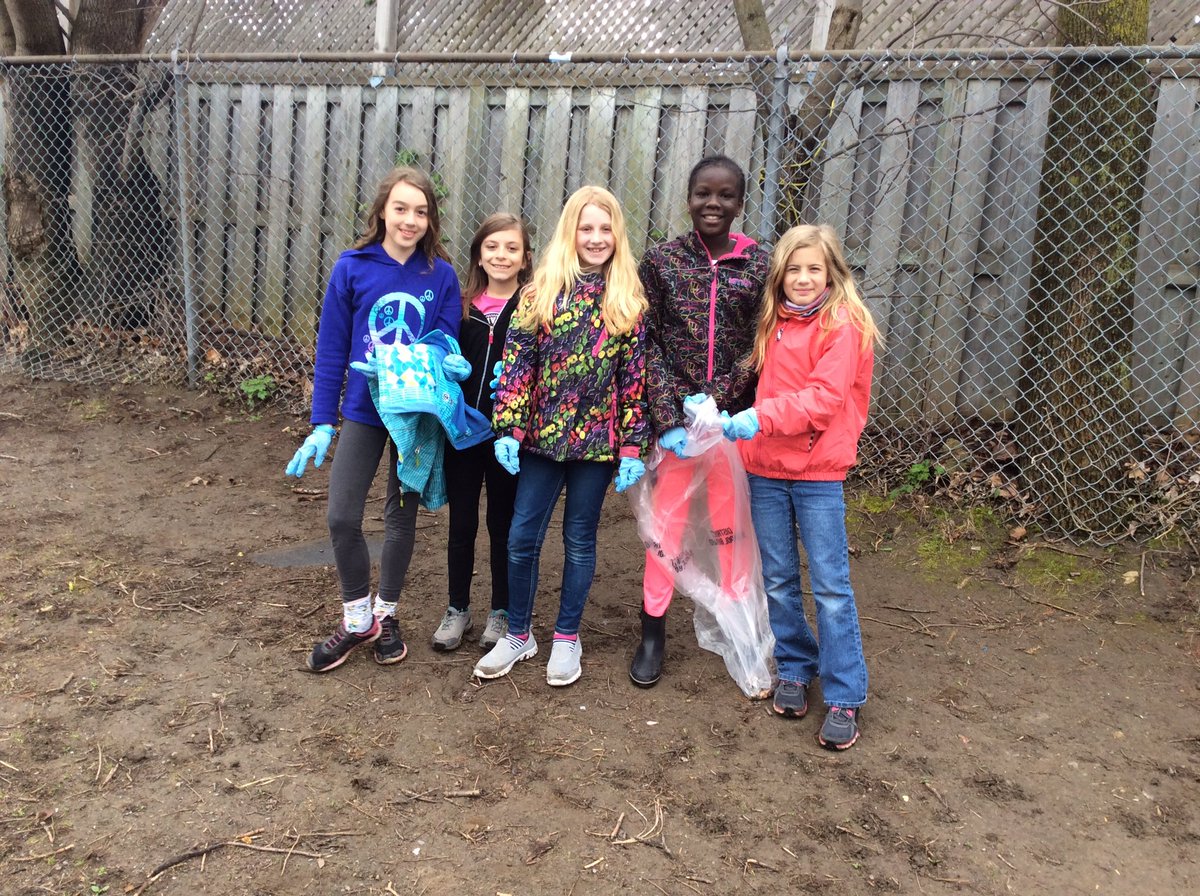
(1024, 226)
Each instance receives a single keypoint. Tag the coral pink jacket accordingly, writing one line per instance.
(812, 399)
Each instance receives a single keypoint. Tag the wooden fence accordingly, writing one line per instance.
(931, 181)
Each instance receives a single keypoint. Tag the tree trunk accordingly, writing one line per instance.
(130, 235)
(43, 109)
(37, 173)
(1076, 408)
(809, 124)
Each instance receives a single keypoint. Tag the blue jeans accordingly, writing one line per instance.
(541, 482)
(780, 507)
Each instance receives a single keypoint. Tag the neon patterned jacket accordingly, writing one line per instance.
(701, 323)
(572, 391)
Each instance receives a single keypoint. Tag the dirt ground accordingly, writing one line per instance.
(1032, 724)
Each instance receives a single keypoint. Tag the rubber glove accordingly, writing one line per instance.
(495, 383)
(629, 472)
(456, 368)
(367, 368)
(674, 440)
(698, 398)
(313, 449)
(508, 454)
(742, 425)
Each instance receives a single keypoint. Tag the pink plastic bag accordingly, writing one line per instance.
(704, 538)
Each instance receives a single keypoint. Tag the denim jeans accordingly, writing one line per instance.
(780, 507)
(538, 487)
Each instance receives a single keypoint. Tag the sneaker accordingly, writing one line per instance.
(495, 629)
(508, 651)
(332, 653)
(563, 668)
(451, 629)
(791, 699)
(840, 730)
(390, 648)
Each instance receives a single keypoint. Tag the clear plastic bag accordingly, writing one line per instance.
(694, 518)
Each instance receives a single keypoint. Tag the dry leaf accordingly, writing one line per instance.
(1130, 577)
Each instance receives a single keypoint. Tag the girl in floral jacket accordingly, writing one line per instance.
(569, 409)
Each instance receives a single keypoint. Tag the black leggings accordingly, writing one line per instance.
(359, 448)
(466, 473)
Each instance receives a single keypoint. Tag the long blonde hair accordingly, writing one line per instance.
(843, 300)
(624, 299)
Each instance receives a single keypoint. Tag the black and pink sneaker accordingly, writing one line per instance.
(332, 653)
(390, 648)
(840, 729)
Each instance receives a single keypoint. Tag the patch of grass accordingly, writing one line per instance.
(93, 409)
(1057, 571)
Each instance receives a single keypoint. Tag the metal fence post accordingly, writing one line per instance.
(185, 223)
(775, 126)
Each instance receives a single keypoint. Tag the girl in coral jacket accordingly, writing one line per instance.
(814, 352)
(569, 410)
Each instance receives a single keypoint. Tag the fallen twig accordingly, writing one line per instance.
(45, 855)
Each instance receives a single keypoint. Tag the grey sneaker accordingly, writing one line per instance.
(840, 730)
(495, 629)
(563, 668)
(508, 651)
(451, 629)
(791, 699)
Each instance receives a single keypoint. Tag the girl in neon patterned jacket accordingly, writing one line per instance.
(569, 408)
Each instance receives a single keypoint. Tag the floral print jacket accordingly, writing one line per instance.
(572, 391)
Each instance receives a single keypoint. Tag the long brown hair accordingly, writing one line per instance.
(843, 302)
(477, 278)
(431, 243)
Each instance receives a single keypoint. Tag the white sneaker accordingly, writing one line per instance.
(563, 668)
(507, 653)
(451, 629)
(496, 628)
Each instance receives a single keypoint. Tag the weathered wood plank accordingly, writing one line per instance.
(741, 126)
(837, 171)
(344, 217)
(684, 149)
(309, 179)
(1158, 347)
(272, 313)
(598, 136)
(552, 166)
(512, 154)
(420, 135)
(634, 163)
(216, 214)
(380, 138)
(239, 302)
(881, 270)
(461, 211)
(957, 268)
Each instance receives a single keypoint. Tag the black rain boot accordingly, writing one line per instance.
(646, 668)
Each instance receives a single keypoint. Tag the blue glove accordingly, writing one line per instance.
(456, 368)
(495, 383)
(367, 368)
(698, 398)
(742, 425)
(629, 472)
(313, 449)
(674, 440)
(508, 454)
